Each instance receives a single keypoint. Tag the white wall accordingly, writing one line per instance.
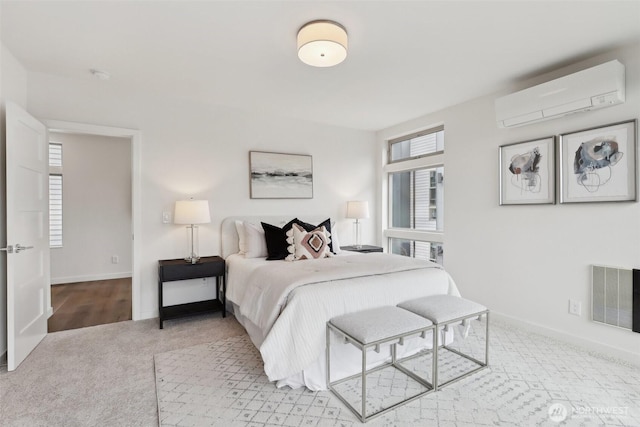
(198, 150)
(525, 262)
(13, 88)
(96, 209)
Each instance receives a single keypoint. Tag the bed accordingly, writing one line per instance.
(284, 305)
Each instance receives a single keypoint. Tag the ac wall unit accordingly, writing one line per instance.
(596, 87)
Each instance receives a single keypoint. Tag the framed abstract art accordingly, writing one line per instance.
(599, 164)
(527, 172)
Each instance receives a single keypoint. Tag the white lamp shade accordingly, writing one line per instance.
(192, 212)
(357, 209)
(322, 43)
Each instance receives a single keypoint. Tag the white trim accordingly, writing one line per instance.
(421, 236)
(90, 277)
(585, 344)
(136, 178)
(430, 161)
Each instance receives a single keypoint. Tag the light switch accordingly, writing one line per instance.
(166, 217)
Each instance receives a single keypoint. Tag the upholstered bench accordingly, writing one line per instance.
(445, 310)
(370, 329)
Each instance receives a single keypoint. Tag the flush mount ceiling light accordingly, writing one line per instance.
(322, 43)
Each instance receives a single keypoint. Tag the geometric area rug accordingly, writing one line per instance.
(531, 381)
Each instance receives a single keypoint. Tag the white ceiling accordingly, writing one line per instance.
(405, 59)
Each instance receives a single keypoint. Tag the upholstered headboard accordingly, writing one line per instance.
(229, 234)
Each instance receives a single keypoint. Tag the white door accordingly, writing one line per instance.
(28, 287)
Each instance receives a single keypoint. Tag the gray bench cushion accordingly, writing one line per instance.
(442, 308)
(379, 323)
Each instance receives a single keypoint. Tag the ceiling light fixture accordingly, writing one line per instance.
(322, 43)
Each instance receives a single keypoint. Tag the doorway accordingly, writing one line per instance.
(90, 229)
(133, 139)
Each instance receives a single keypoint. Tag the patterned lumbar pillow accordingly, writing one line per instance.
(305, 244)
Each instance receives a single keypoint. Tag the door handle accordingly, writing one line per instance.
(20, 248)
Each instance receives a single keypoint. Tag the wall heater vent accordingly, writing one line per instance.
(612, 297)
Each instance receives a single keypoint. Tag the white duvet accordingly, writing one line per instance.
(290, 302)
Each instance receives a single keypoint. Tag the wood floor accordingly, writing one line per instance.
(77, 305)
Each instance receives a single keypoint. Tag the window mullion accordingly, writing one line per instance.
(423, 162)
(413, 199)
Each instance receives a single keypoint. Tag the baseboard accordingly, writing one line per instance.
(3, 359)
(588, 345)
(148, 315)
(90, 278)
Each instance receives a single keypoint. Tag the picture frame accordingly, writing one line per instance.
(527, 172)
(280, 175)
(599, 164)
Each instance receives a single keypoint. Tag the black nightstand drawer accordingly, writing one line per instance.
(172, 270)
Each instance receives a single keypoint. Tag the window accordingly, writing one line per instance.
(416, 196)
(55, 195)
(417, 249)
(415, 177)
(417, 145)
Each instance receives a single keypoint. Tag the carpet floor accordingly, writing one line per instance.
(532, 381)
(105, 376)
(101, 375)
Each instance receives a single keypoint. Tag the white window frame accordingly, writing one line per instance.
(56, 171)
(412, 136)
(429, 161)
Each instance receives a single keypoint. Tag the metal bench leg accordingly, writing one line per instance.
(328, 356)
(435, 358)
(363, 417)
(486, 343)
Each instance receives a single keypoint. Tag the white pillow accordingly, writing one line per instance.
(255, 242)
(334, 238)
(305, 244)
(241, 237)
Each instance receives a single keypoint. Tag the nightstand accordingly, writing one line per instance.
(365, 249)
(170, 270)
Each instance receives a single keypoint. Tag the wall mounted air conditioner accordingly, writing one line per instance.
(596, 87)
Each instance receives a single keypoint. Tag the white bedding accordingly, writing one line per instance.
(285, 305)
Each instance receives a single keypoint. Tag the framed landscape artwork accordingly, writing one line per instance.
(280, 176)
(527, 172)
(599, 164)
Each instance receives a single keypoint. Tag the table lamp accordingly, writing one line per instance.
(192, 212)
(357, 210)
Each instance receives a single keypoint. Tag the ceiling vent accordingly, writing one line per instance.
(597, 87)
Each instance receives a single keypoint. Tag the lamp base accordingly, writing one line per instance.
(356, 226)
(192, 244)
